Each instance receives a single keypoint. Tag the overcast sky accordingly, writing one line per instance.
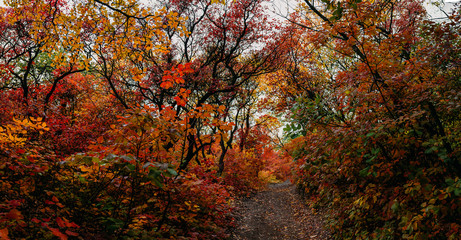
(436, 13)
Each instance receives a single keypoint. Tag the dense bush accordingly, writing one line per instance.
(111, 192)
(381, 139)
(112, 128)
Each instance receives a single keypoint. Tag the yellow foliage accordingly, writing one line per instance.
(218, 1)
(14, 134)
(267, 176)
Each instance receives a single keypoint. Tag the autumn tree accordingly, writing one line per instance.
(35, 43)
(227, 47)
(380, 143)
(115, 115)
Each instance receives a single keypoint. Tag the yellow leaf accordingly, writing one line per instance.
(218, 1)
(138, 77)
(84, 168)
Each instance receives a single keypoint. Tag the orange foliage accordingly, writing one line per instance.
(379, 136)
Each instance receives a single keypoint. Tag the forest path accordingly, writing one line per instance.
(277, 214)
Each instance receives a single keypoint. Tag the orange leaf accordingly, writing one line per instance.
(180, 101)
(179, 80)
(66, 223)
(166, 77)
(58, 233)
(187, 68)
(166, 84)
(4, 234)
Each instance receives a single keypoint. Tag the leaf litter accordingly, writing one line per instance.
(278, 213)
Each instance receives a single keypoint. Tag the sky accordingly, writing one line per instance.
(282, 7)
(436, 13)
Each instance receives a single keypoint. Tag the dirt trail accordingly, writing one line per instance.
(277, 214)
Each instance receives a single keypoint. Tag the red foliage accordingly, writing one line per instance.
(379, 141)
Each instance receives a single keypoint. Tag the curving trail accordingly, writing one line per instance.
(277, 214)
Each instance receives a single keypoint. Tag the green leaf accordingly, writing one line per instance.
(370, 160)
(457, 192)
(395, 207)
(364, 172)
(87, 159)
(153, 172)
(337, 14)
(110, 156)
(127, 158)
(130, 167)
(374, 151)
(157, 183)
(82, 179)
(155, 177)
(172, 171)
(113, 224)
(449, 181)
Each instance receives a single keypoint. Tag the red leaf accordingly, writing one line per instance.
(71, 225)
(16, 203)
(13, 214)
(70, 233)
(60, 222)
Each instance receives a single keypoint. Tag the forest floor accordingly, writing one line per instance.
(277, 213)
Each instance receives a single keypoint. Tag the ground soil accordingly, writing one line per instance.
(278, 213)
